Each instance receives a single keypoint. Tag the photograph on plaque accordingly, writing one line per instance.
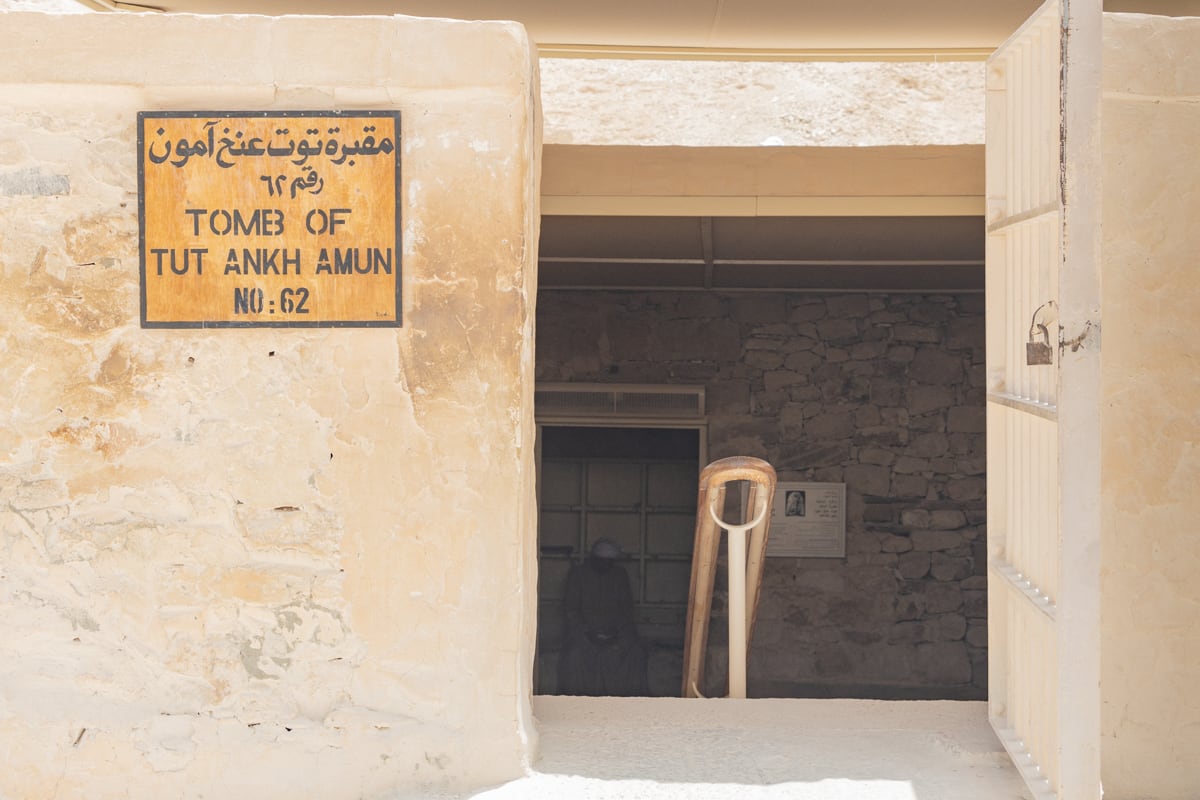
(269, 219)
(808, 520)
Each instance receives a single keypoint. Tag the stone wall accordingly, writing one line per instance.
(269, 563)
(882, 392)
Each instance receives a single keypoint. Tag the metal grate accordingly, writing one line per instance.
(576, 400)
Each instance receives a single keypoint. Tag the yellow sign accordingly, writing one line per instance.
(278, 219)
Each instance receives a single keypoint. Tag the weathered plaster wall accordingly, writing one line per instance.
(1151, 428)
(268, 563)
(882, 392)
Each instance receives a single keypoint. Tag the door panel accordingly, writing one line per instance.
(647, 506)
(1041, 700)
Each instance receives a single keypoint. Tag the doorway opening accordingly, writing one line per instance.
(633, 485)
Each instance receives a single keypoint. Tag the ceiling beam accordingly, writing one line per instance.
(763, 206)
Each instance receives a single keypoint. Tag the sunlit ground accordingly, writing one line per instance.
(653, 749)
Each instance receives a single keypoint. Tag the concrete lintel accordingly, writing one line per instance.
(941, 180)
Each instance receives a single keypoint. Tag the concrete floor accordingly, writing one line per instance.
(659, 748)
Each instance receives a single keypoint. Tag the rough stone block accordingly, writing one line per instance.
(923, 399)
(881, 436)
(702, 305)
(859, 369)
(804, 393)
(883, 559)
(863, 351)
(910, 607)
(915, 333)
(975, 465)
(768, 404)
(828, 475)
(881, 510)
(838, 330)
(936, 540)
(909, 486)
(810, 310)
(805, 455)
(820, 580)
(943, 598)
(949, 568)
(886, 391)
(975, 604)
(798, 344)
(947, 519)
(759, 308)
(930, 312)
(966, 419)
(848, 305)
(868, 479)
(966, 489)
(934, 422)
(830, 425)
(874, 579)
(876, 455)
(928, 445)
(781, 379)
(907, 465)
(907, 633)
(764, 359)
(804, 361)
(913, 565)
(867, 416)
(943, 662)
(728, 397)
(687, 339)
(836, 355)
(946, 628)
(977, 633)
(897, 544)
(629, 339)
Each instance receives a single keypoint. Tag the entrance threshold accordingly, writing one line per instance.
(800, 749)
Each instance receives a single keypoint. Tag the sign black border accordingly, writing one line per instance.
(142, 116)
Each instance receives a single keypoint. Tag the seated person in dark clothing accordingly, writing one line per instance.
(601, 653)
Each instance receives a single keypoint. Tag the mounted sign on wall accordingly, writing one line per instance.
(808, 520)
(269, 219)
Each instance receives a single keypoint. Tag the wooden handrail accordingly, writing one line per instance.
(750, 559)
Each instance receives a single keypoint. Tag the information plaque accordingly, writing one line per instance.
(269, 219)
(808, 520)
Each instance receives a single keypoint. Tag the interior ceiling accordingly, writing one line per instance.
(930, 254)
(716, 24)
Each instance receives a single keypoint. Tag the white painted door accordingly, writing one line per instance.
(1043, 418)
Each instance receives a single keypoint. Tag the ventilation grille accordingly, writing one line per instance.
(577, 400)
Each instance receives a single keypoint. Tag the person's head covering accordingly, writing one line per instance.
(606, 548)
